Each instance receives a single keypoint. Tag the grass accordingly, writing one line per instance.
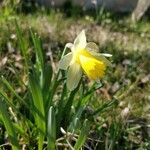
(33, 96)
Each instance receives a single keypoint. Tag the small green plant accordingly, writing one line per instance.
(53, 115)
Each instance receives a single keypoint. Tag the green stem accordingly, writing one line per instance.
(40, 142)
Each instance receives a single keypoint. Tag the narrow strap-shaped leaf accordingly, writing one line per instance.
(23, 45)
(21, 40)
(38, 51)
(9, 126)
(80, 108)
(67, 108)
(48, 72)
(40, 59)
(8, 101)
(39, 113)
(51, 129)
(8, 85)
(60, 107)
(105, 106)
(83, 135)
(54, 84)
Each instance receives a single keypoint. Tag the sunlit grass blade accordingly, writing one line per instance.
(51, 129)
(8, 85)
(23, 45)
(38, 51)
(9, 126)
(44, 72)
(8, 100)
(115, 131)
(83, 102)
(39, 113)
(79, 110)
(19, 128)
(83, 135)
(74, 122)
(105, 106)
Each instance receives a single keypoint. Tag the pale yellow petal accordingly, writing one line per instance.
(105, 60)
(73, 76)
(65, 61)
(69, 45)
(105, 54)
(80, 41)
(91, 46)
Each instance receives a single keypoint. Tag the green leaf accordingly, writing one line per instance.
(51, 129)
(54, 84)
(8, 85)
(40, 61)
(39, 113)
(8, 100)
(80, 108)
(19, 128)
(23, 45)
(105, 106)
(9, 126)
(83, 135)
(60, 106)
(48, 72)
(67, 109)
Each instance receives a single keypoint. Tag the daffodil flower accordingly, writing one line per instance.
(83, 58)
